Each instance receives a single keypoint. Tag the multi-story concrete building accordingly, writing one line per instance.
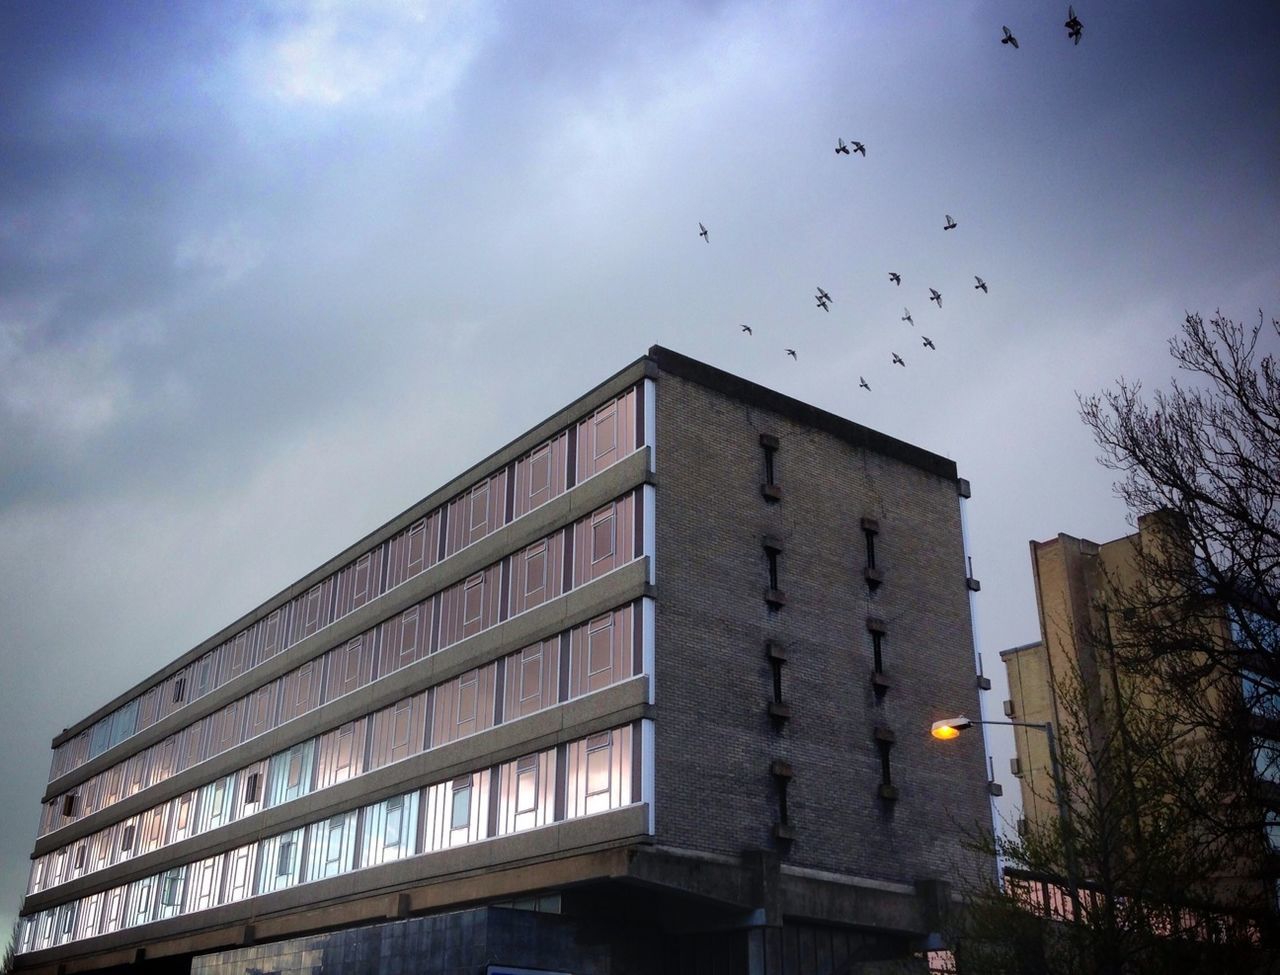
(647, 689)
(1074, 678)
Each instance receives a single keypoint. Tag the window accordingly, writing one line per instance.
(773, 593)
(598, 764)
(531, 674)
(468, 695)
(535, 568)
(171, 887)
(599, 646)
(527, 784)
(126, 838)
(782, 773)
(884, 745)
(605, 429)
(284, 859)
(479, 508)
(69, 804)
(460, 816)
(602, 534)
(870, 529)
(251, 789)
(80, 855)
(395, 820)
(540, 474)
(770, 489)
(879, 681)
(473, 599)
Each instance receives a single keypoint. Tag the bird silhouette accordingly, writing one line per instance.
(859, 147)
(981, 285)
(1008, 37)
(935, 295)
(950, 224)
(897, 361)
(863, 383)
(822, 295)
(906, 317)
(928, 343)
(895, 277)
(792, 353)
(1073, 25)
(702, 232)
(823, 305)
(745, 328)
(841, 147)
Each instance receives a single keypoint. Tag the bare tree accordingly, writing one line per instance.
(1208, 452)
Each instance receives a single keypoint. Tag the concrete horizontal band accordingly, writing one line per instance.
(608, 708)
(561, 419)
(608, 592)
(551, 517)
(505, 866)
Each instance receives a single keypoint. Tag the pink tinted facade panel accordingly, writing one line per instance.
(340, 754)
(398, 731)
(537, 574)
(349, 667)
(404, 638)
(531, 679)
(300, 689)
(464, 705)
(541, 475)
(605, 540)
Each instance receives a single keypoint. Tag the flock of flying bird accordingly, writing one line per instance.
(1074, 29)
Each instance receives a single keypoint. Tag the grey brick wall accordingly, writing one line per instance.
(714, 737)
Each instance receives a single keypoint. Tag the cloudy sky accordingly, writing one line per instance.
(254, 257)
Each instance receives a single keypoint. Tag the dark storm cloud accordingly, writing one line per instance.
(255, 259)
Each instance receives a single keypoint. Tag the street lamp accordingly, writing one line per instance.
(949, 728)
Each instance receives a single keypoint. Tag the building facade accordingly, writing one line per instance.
(650, 684)
(1091, 600)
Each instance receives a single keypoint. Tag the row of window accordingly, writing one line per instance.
(587, 658)
(583, 777)
(608, 538)
(608, 435)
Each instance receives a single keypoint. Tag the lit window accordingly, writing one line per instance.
(598, 764)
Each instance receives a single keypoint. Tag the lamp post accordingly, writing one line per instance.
(949, 728)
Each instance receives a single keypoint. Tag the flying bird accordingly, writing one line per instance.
(792, 353)
(863, 383)
(935, 295)
(928, 343)
(859, 147)
(702, 232)
(745, 328)
(841, 147)
(823, 305)
(1073, 25)
(950, 224)
(981, 285)
(906, 317)
(1008, 37)
(822, 295)
(897, 361)
(895, 277)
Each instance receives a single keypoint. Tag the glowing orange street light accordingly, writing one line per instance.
(949, 728)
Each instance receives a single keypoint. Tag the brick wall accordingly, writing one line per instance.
(714, 738)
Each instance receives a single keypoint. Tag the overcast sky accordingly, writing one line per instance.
(254, 258)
